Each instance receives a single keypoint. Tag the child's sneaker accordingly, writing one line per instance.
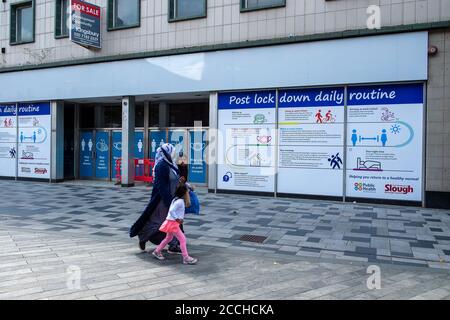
(189, 260)
(158, 255)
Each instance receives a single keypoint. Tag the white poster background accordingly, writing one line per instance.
(308, 140)
(392, 171)
(246, 161)
(34, 146)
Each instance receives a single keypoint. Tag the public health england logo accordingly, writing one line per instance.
(358, 186)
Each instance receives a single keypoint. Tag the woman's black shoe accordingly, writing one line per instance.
(174, 250)
(142, 245)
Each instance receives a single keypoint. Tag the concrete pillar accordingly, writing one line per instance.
(211, 155)
(57, 142)
(128, 124)
(164, 115)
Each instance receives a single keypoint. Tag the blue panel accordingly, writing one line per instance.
(102, 158)
(197, 163)
(34, 109)
(247, 100)
(311, 97)
(156, 139)
(116, 151)
(7, 110)
(139, 145)
(177, 137)
(86, 153)
(385, 94)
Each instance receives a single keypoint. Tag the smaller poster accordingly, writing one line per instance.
(87, 154)
(85, 24)
(311, 141)
(116, 151)
(34, 140)
(385, 142)
(8, 140)
(102, 155)
(246, 143)
(197, 161)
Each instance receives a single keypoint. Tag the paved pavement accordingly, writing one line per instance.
(313, 250)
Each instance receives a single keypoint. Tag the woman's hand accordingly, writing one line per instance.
(182, 179)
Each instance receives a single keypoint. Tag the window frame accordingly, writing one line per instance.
(266, 7)
(58, 9)
(110, 17)
(176, 19)
(13, 22)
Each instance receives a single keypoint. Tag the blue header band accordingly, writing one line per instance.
(34, 109)
(311, 97)
(247, 100)
(7, 110)
(386, 94)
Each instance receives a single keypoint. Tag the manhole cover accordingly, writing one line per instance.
(252, 238)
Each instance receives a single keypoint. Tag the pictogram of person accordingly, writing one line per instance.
(319, 117)
(354, 137)
(384, 137)
(328, 116)
(335, 161)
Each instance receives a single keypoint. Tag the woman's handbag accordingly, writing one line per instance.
(195, 204)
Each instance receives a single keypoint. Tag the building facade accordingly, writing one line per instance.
(285, 97)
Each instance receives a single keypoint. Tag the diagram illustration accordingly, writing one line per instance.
(358, 139)
(367, 165)
(264, 139)
(384, 137)
(140, 145)
(117, 146)
(227, 176)
(102, 146)
(27, 155)
(329, 117)
(387, 115)
(395, 129)
(36, 135)
(8, 123)
(259, 119)
(12, 152)
(335, 161)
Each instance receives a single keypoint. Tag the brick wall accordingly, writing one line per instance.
(224, 24)
(438, 115)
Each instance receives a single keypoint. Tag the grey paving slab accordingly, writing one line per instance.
(321, 246)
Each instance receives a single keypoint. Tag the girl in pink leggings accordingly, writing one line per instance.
(172, 225)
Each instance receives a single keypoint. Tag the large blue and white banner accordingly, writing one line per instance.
(246, 144)
(385, 142)
(8, 140)
(34, 140)
(311, 141)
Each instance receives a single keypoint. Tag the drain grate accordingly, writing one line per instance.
(253, 238)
